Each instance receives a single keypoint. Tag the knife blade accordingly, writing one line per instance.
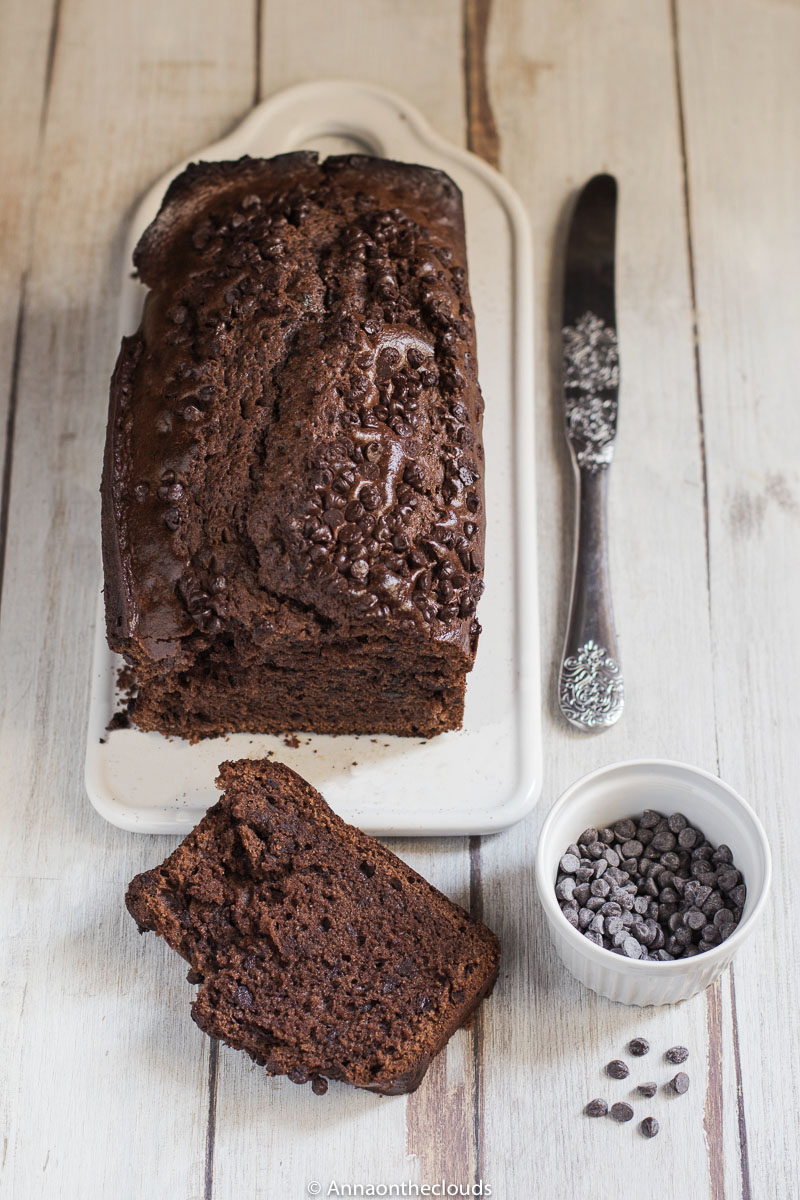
(591, 690)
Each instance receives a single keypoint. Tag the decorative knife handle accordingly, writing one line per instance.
(590, 688)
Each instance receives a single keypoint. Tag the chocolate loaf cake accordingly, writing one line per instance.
(316, 949)
(293, 516)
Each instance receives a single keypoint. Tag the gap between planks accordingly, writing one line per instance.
(211, 1124)
(11, 419)
(713, 1107)
(482, 139)
(258, 22)
(13, 392)
(55, 29)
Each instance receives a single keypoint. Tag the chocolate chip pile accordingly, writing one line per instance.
(651, 888)
(621, 1111)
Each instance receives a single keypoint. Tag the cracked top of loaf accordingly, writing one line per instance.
(294, 436)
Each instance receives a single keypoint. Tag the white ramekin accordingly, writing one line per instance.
(623, 790)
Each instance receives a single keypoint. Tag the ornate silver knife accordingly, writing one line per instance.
(590, 688)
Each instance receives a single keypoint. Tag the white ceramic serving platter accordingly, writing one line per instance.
(487, 775)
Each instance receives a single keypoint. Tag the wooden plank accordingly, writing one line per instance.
(24, 93)
(742, 100)
(350, 1136)
(101, 1061)
(579, 89)
(413, 48)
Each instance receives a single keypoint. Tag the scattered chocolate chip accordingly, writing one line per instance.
(676, 1055)
(617, 1069)
(621, 1111)
(638, 1047)
(680, 1083)
(319, 1085)
(647, 1089)
(649, 1127)
(596, 1108)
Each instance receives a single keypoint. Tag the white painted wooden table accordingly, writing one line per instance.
(109, 1090)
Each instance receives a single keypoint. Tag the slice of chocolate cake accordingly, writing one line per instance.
(293, 508)
(316, 949)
